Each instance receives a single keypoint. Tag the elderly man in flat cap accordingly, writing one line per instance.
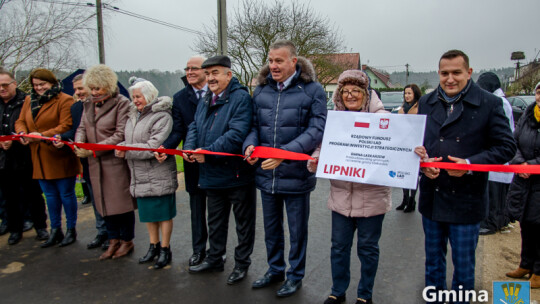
(222, 122)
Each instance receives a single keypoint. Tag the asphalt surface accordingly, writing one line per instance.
(73, 274)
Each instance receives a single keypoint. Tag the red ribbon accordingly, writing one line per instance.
(534, 169)
(268, 152)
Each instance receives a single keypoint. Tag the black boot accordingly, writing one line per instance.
(405, 200)
(165, 257)
(411, 205)
(86, 190)
(55, 237)
(71, 237)
(152, 253)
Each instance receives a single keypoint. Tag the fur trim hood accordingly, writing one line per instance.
(354, 77)
(162, 103)
(307, 74)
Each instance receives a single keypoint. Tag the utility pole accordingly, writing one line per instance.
(101, 42)
(222, 26)
(407, 74)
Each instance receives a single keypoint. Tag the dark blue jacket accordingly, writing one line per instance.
(185, 104)
(292, 120)
(477, 130)
(222, 128)
(76, 114)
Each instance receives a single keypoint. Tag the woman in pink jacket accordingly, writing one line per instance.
(355, 206)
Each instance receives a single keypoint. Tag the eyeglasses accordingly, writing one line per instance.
(6, 85)
(353, 93)
(193, 69)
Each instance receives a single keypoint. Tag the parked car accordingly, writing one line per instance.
(519, 104)
(392, 101)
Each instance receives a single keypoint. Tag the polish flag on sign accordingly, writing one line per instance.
(361, 122)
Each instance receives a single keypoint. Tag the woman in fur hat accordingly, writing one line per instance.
(355, 206)
(103, 122)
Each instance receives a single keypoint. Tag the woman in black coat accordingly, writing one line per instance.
(524, 193)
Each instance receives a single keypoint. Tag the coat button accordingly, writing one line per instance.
(441, 139)
(457, 139)
(437, 189)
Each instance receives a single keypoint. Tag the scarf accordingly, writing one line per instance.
(37, 101)
(407, 106)
(99, 100)
(450, 101)
(537, 113)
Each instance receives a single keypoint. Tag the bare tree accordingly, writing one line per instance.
(40, 34)
(256, 24)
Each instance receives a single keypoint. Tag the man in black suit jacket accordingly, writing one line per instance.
(184, 106)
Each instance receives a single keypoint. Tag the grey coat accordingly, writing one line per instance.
(150, 129)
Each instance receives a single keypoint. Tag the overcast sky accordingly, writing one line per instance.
(387, 33)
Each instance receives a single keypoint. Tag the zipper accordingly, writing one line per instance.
(275, 137)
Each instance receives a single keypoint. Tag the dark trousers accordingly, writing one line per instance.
(530, 247)
(242, 200)
(463, 240)
(121, 226)
(497, 207)
(369, 231)
(21, 192)
(297, 207)
(3, 216)
(100, 222)
(199, 232)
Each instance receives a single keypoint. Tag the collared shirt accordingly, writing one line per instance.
(203, 89)
(287, 82)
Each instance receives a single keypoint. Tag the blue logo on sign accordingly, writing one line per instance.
(511, 292)
(392, 174)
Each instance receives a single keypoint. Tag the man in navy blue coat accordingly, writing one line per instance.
(222, 122)
(289, 114)
(464, 124)
(184, 106)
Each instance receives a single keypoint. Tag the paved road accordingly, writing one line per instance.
(74, 274)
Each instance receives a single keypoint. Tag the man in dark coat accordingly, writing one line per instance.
(184, 106)
(464, 124)
(222, 122)
(19, 189)
(289, 113)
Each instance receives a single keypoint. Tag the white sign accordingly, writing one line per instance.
(372, 148)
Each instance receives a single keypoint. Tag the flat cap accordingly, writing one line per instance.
(217, 60)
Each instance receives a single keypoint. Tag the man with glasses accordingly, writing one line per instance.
(289, 113)
(20, 191)
(184, 106)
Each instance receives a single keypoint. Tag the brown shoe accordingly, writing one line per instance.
(125, 248)
(113, 247)
(535, 281)
(519, 273)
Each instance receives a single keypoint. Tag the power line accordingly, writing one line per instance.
(125, 12)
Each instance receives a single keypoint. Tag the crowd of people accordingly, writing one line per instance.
(466, 123)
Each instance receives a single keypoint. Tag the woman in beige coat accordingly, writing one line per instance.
(103, 122)
(355, 206)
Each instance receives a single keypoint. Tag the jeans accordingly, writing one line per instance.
(60, 192)
(297, 207)
(463, 240)
(369, 231)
